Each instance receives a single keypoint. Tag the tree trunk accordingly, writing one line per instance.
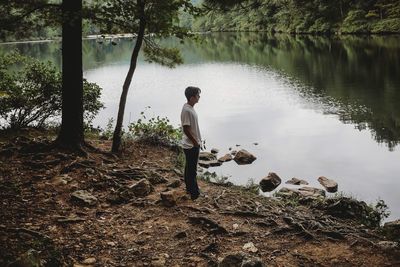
(135, 53)
(71, 133)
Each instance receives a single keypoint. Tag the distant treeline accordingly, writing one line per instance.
(305, 16)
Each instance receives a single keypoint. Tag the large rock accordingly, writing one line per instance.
(226, 158)
(215, 150)
(84, 197)
(141, 188)
(308, 191)
(392, 229)
(330, 185)
(204, 164)
(270, 182)
(207, 156)
(296, 181)
(215, 163)
(244, 157)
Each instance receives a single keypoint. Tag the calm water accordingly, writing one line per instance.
(315, 106)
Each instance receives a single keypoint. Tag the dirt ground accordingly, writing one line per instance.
(37, 212)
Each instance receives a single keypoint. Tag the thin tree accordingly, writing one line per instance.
(150, 21)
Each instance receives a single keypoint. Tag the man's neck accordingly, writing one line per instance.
(191, 103)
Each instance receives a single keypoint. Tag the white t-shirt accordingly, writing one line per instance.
(189, 117)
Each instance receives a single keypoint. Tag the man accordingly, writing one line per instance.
(191, 140)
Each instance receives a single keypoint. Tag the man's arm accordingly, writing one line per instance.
(188, 132)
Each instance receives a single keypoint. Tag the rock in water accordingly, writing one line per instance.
(226, 158)
(204, 164)
(85, 197)
(296, 181)
(308, 191)
(244, 157)
(330, 185)
(270, 182)
(215, 163)
(303, 192)
(142, 188)
(207, 156)
(214, 150)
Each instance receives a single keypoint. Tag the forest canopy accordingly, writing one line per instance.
(300, 16)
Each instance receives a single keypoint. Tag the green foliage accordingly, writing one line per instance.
(155, 130)
(252, 186)
(298, 16)
(31, 92)
(107, 133)
(213, 177)
(382, 209)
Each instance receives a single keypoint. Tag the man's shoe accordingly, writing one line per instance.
(194, 197)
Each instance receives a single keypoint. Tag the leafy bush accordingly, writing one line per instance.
(155, 131)
(30, 93)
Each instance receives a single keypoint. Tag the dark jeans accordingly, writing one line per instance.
(192, 157)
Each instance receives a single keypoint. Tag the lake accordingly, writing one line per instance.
(315, 106)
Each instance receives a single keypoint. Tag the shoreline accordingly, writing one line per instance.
(129, 35)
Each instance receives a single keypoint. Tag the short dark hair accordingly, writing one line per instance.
(191, 91)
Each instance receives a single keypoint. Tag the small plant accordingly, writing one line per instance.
(382, 209)
(155, 130)
(108, 132)
(213, 177)
(252, 186)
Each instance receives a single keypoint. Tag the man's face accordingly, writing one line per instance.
(196, 98)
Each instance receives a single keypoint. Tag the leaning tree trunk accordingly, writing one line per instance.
(118, 127)
(71, 133)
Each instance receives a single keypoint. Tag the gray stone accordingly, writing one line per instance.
(296, 181)
(204, 164)
(240, 259)
(215, 150)
(226, 158)
(308, 191)
(141, 188)
(244, 157)
(270, 182)
(330, 185)
(85, 197)
(303, 192)
(215, 163)
(207, 156)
